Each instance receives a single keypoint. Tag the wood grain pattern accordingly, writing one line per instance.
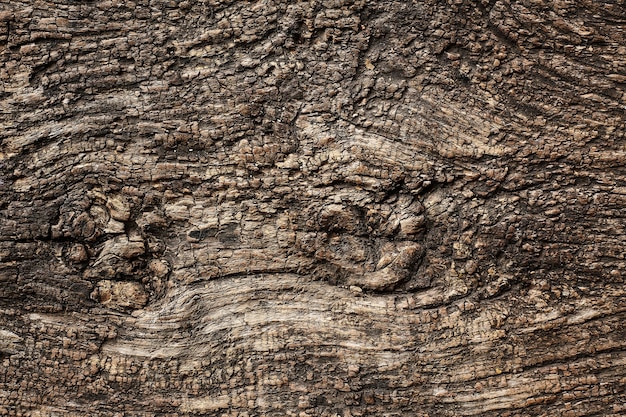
(320, 208)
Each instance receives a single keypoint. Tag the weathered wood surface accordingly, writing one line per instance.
(318, 208)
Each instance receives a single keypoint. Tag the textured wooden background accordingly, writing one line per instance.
(312, 208)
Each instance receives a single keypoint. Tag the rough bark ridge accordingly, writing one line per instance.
(319, 208)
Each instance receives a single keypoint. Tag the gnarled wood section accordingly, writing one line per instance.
(312, 208)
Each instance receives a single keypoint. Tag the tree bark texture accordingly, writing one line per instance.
(312, 208)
